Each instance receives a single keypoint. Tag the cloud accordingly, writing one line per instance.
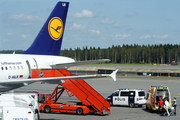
(50, 8)
(154, 36)
(95, 31)
(147, 36)
(6, 40)
(103, 37)
(131, 14)
(119, 36)
(78, 26)
(107, 21)
(119, 25)
(23, 20)
(9, 33)
(23, 36)
(84, 14)
(25, 17)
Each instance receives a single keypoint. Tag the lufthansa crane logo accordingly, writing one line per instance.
(55, 28)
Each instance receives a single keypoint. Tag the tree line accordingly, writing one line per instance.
(159, 54)
(11, 51)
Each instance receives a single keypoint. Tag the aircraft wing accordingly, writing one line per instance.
(77, 63)
(57, 80)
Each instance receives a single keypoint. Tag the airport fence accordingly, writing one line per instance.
(157, 73)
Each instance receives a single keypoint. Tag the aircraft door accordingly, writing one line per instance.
(32, 64)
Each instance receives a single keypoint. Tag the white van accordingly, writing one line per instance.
(20, 101)
(16, 113)
(127, 97)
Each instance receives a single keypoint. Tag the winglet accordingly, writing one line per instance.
(113, 74)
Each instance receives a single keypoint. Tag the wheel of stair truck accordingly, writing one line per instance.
(79, 111)
(47, 109)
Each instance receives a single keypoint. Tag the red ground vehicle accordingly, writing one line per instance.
(48, 103)
(92, 101)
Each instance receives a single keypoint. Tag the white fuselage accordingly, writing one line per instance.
(18, 66)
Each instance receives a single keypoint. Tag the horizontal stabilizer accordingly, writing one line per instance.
(113, 74)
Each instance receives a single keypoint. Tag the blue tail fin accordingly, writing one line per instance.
(49, 39)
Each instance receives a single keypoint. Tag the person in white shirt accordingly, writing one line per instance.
(167, 106)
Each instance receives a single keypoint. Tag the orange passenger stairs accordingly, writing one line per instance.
(79, 88)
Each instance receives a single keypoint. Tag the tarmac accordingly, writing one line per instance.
(105, 86)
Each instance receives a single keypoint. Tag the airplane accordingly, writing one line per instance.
(43, 54)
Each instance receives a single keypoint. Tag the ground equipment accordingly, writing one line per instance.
(91, 101)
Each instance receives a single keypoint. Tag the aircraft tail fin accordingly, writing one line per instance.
(49, 39)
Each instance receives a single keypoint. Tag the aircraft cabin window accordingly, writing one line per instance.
(21, 67)
(1, 68)
(6, 68)
(10, 67)
(18, 67)
(14, 67)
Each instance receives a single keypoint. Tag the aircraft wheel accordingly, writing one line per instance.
(79, 111)
(47, 109)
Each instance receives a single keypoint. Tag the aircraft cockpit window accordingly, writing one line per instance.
(1, 68)
(6, 68)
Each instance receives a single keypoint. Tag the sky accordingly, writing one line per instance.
(92, 23)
